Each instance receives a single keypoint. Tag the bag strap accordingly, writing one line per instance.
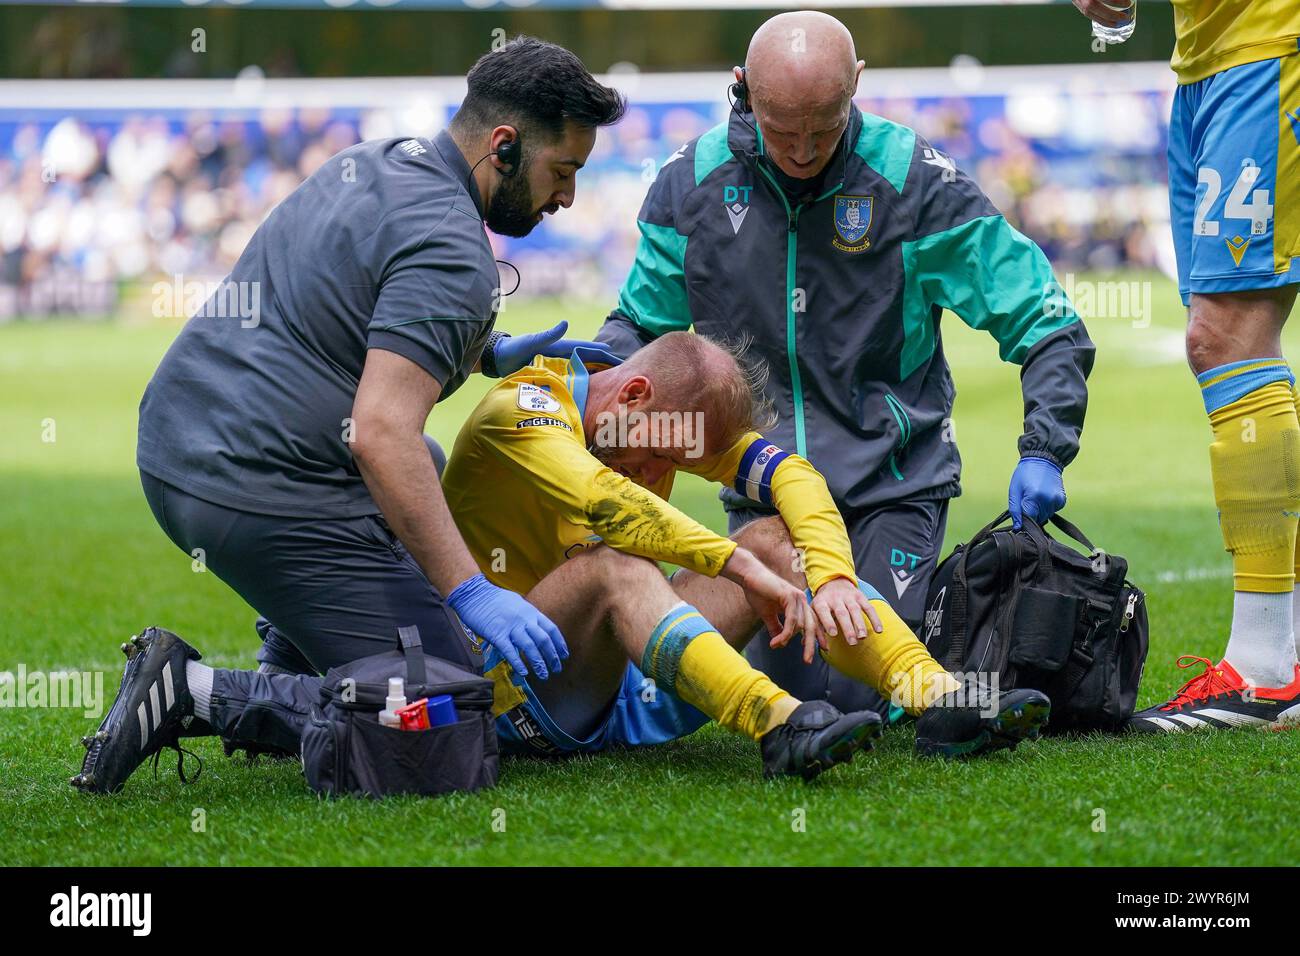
(957, 647)
(413, 651)
(988, 529)
(1071, 530)
(1038, 532)
(960, 589)
(1067, 527)
(1042, 542)
(1076, 668)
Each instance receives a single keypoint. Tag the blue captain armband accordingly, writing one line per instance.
(757, 466)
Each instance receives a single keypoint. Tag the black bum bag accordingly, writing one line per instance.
(346, 750)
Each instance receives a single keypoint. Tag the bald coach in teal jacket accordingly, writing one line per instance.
(833, 240)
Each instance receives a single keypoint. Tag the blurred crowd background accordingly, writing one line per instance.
(123, 186)
(90, 205)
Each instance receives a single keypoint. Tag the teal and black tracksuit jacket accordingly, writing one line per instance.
(841, 295)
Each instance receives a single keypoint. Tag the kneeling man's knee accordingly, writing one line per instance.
(768, 539)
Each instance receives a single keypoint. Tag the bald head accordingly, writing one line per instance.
(801, 57)
(802, 72)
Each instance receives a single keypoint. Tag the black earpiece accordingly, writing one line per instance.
(739, 100)
(508, 152)
(740, 92)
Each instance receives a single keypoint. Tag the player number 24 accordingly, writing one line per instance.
(1258, 210)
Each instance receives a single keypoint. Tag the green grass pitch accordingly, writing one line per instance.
(83, 566)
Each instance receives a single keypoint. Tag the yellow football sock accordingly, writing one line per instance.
(1255, 465)
(1295, 398)
(687, 657)
(894, 662)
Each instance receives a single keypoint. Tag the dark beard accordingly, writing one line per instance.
(511, 212)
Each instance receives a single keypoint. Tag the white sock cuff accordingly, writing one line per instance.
(1295, 623)
(198, 677)
(1261, 645)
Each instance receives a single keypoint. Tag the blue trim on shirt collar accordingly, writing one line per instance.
(578, 376)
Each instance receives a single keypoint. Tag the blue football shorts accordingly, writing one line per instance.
(641, 715)
(1234, 178)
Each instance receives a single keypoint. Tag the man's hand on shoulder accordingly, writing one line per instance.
(506, 354)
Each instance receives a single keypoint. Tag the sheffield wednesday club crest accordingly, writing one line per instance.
(852, 220)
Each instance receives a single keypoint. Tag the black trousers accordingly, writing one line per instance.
(328, 591)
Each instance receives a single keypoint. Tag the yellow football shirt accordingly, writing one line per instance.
(1215, 35)
(527, 494)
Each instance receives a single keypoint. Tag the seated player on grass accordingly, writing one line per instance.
(558, 482)
(571, 520)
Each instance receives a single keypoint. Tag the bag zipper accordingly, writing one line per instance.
(472, 695)
(1129, 611)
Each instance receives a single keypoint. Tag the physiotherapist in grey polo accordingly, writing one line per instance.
(291, 450)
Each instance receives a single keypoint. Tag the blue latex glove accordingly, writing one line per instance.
(511, 625)
(1036, 490)
(510, 353)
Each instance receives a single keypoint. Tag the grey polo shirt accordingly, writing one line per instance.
(382, 248)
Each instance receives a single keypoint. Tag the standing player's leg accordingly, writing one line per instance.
(1235, 348)
(1236, 219)
(1295, 593)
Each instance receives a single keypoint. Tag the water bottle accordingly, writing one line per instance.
(1120, 33)
(394, 702)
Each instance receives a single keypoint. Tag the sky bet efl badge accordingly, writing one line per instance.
(852, 220)
(534, 398)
